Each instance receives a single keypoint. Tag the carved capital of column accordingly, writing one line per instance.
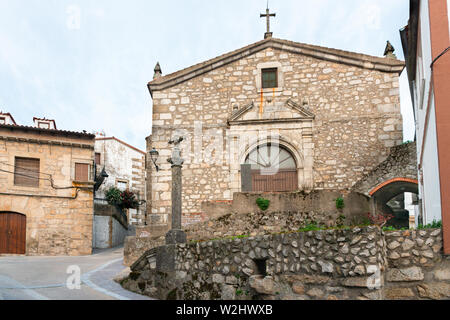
(176, 162)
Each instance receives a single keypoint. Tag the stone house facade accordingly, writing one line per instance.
(46, 190)
(333, 115)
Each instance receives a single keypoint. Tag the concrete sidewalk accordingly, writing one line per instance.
(44, 278)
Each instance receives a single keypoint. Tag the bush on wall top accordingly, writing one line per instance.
(123, 199)
(263, 204)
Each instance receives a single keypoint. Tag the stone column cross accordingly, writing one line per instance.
(176, 234)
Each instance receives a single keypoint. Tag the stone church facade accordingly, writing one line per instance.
(328, 116)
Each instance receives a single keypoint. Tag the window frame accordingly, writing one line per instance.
(280, 77)
(2, 120)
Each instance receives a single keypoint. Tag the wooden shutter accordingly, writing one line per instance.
(283, 181)
(97, 158)
(81, 172)
(26, 172)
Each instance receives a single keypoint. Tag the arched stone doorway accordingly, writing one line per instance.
(12, 233)
(273, 168)
(389, 197)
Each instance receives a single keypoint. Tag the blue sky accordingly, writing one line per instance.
(86, 63)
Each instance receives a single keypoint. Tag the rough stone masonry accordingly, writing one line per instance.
(357, 263)
(336, 112)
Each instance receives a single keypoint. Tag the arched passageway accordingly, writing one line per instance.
(389, 198)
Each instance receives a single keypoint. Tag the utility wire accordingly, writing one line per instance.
(440, 55)
(17, 167)
(38, 178)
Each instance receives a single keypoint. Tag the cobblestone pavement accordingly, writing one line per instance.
(45, 278)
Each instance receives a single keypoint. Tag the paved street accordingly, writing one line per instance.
(44, 278)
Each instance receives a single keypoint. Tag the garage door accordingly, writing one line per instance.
(12, 233)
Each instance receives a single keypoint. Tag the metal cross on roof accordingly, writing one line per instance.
(267, 15)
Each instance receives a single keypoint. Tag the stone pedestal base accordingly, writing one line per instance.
(176, 236)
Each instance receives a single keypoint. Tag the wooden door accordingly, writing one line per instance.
(12, 233)
(283, 181)
(273, 169)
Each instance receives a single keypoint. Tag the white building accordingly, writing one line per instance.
(7, 118)
(125, 166)
(426, 44)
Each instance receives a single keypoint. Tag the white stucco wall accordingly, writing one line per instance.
(118, 161)
(429, 191)
(101, 232)
(102, 225)
(7, 120)
(431, 183)
(448, 15)
(119, 233)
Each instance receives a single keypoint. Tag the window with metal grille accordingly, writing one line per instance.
(26, 172)
(81, 172)
(97, 158)
(269, 78)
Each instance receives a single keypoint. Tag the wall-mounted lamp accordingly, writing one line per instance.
(154, 156)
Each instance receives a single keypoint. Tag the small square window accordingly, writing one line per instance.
(122, 185)
(269, 78)
(2, 120)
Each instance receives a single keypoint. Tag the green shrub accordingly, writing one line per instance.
(124, 200)
(113, 196)
(263, 204)
(310, 226)
(434, 225)
(340, 203)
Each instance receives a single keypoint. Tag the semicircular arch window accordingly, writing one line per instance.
(273, 168)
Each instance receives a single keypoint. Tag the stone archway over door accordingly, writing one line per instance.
(12, 233)
(273, 169)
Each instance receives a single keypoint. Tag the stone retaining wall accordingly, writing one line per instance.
(135, 247)
(321, 264)
(287, 212)
(416, 267)
(328, 264)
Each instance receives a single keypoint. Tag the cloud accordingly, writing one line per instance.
(94, 77)
(372, 14)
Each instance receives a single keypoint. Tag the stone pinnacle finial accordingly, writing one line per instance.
(158, 71)
(389, 51)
